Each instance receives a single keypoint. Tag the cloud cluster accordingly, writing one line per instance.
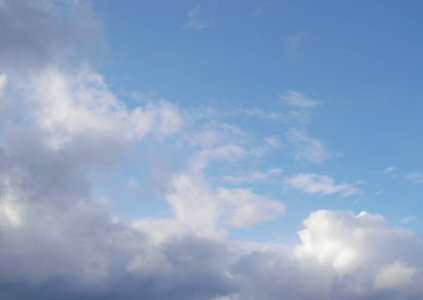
(341, 256)
(60, 239)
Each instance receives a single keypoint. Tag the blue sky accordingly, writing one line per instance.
(359, 60)
(211, 150)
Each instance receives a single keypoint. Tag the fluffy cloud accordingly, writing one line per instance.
(61, 238)
(319, 184)
(80, 105)
(199, 209)
(341, 256)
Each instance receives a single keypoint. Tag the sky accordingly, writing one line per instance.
(216, 150)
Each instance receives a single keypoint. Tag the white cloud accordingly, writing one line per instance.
(60, 239)
(308, 148)
(227, 152)
(272, 141)
(3, 82)
(197, 205)
(262, 114)
(341, 256)
(301, 116)
(196, 23)
(319, 184)
(294, 43)
(394, 275)
(243, 208)
(416, 177)
(298, 100)
(407, 220)
(215, 134)
(71, 105)
(10, 210)
(389, 169)
(253, 177)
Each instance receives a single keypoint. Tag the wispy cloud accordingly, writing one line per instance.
(293, 44)
(310, 183)
(262, 114)
(308, 148)
(407, 220)
(196, 22)
(389, 170)
(298, 100)
(272, 141)
(253, 177)
(258, 12)
(416, 177)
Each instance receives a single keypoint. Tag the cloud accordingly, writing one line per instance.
(389, 169)
(265, 115)
(310, 183)
(196, 23)
(394, 275)
(253, 177)
(341, 256)
(227, 152)
(51, 32)
(75, 105)
(298, 100)
(415, 177)
(198, 206)
(407, 220)
(272, 141)
(294, 43)
(3, 82)
(306, 147)
(61, 237)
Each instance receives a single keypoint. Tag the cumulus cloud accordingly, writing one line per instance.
(394, 275)
(200, 209)
(341, 256)
(80, 104)
(61, 237)
(319, 184)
